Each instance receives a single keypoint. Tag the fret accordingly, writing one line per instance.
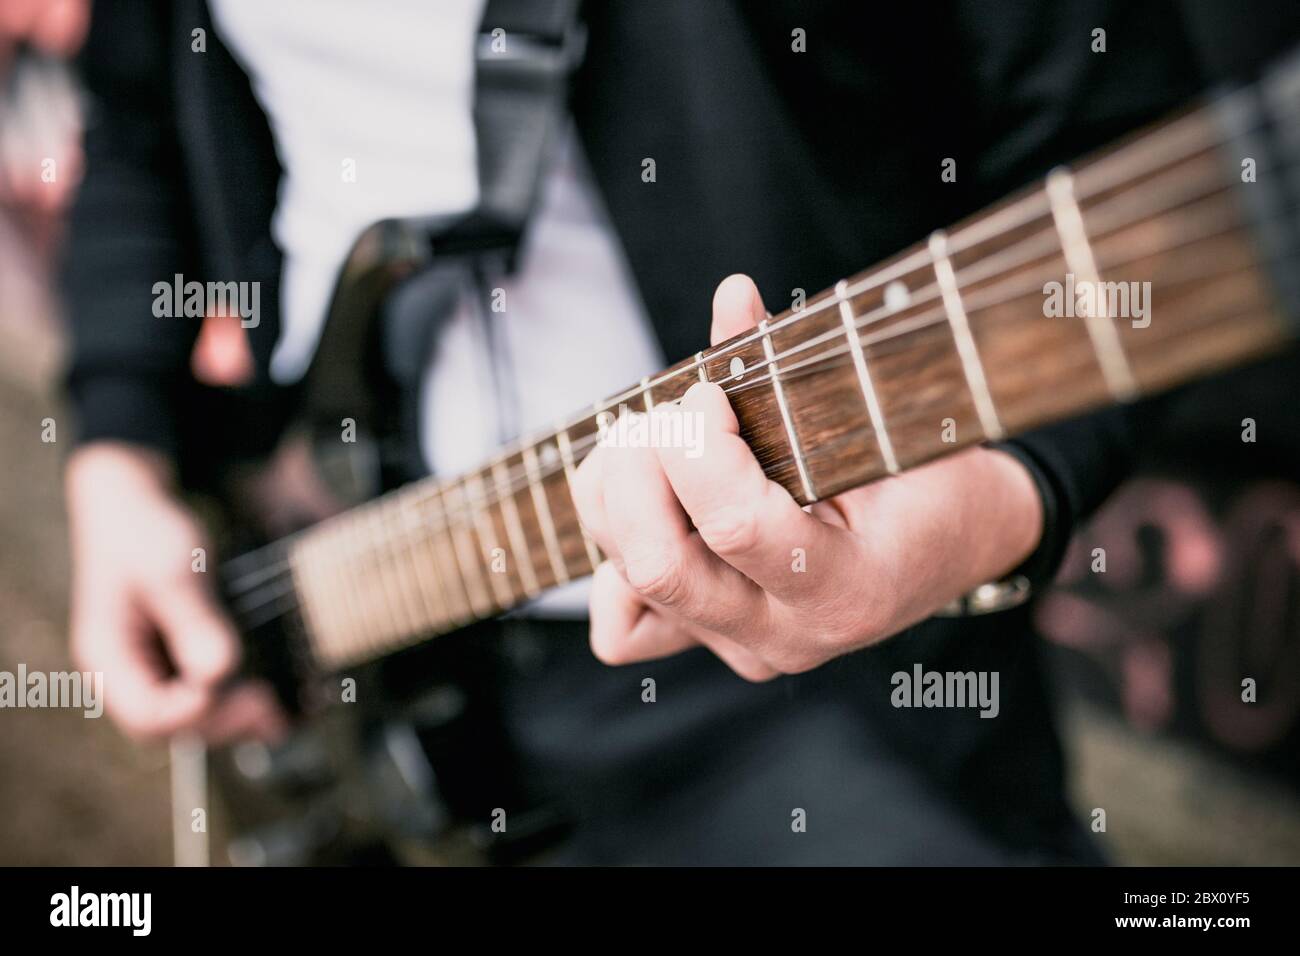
(704, 372)
(320, 615)
(379, 536)
(476, 587)
(566, 456)
(501, 540)
(1217, 309)
(360, 624)
(411, 534)
(427, 562)
(376, 597)
(874, 411)
(417, 556)
(467, 556)
(1037, 365)
(543, 509)
(371, 600)
(486, 535)
(564, 510)
(397, 533)
(970, 360)
(515, 530)
(739, 367)
(646, 398)
(330, 562)
(1080, 260)
(671, 385)
(320, 552)
(809, 494)
(450, 573)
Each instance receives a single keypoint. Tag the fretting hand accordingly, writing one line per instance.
(703, 548)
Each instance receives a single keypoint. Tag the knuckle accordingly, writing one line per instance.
(657, 575)
(869, 622)
(609, 649)
(793, 660)
(838, 634)
(803, 649)
(173, 568)
(731, 530)
(757, 673)
(139, 726)
(81, 660)
(88, 644)
(214, 657)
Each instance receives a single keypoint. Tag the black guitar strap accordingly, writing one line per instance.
(527, 52)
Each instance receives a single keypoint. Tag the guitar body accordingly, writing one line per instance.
(382, 762)
(388, 770)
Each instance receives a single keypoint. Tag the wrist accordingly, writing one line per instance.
(112, 466)
(1011, 515)
(947, 528)
(1020, 508)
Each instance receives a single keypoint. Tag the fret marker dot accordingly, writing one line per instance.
(547, 455)
(896, 296)
(737, 367)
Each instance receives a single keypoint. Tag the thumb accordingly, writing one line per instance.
(737, 307)
(199, 637)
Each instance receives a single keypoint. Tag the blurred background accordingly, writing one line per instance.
(1202, 581)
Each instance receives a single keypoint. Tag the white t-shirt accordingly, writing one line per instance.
(371, 108)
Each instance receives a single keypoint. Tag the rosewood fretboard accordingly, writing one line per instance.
(944, 346)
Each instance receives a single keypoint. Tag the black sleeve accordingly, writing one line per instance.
(1075, 465)
(129, 229)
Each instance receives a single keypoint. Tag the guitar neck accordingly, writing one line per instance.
(1143, 268)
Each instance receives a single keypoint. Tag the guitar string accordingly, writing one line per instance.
(875, 279)
(1019, 211)
(518, 478)
(975, 273)
(1086, 358)
(934, 320)
(397, 641)
(813, 364)
(1079, 354)
(472, 504)
(938, 317)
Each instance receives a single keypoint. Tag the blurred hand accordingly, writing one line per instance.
(39, 114)
(142, 616)
(702, 546)
(56, 27)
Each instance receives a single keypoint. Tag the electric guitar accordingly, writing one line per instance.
(1170, 256)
